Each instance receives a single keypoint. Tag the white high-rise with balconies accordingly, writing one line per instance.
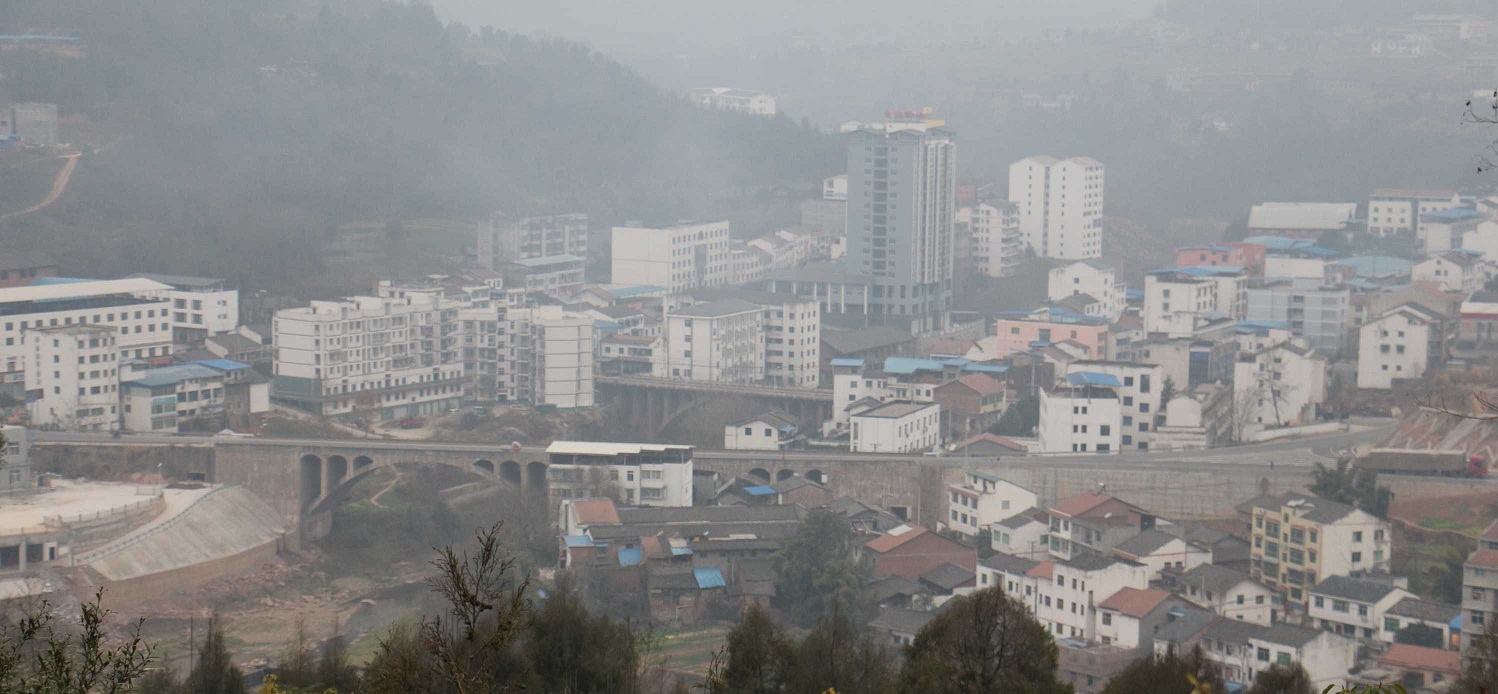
(1060, 205)
(680, 257)
(74, 377)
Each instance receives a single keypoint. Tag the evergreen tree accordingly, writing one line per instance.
(569, 650)
(818, 569)
(758, 658)
(296, 667)
(984, 643)
(1168, 674)
(1283, 679)
(837, 656)
(215, 672)
(1019, 419)
(1421, 635)
(333, 669)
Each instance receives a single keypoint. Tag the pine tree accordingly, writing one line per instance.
(758, 656)
(983, 643)
(215, 672)
(1283, 679)
(1168, 674)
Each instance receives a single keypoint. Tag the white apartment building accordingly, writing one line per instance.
(998, 244)
(1060, 205)
(384, 358)
(1444, 230)
(855, 386)
(769, 431)
(1090, 278)
(721, 341)
(1397, 210)
(792, 334)
(1064, 595)
(201, 306)
(1158, 550)
(1458, 271)
(1177, 301)
(642, 474)
(73, 377)
(1139, 391)
(1355, 607)
(549, 357)
(1396, 346)
(1243, 650)
(1278, 386)
(896, 427)
(681, 257)
(835, 187)
(1480, 587)
(1081, 418)
(1127, 618)
(733, 99)
(983, 500)
(502, 239)
(1023, 535)
(1230, 594)
(138, 309)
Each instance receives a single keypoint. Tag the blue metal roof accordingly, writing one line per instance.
(222, 364)
(1455, 214)
(636, 290)
(847, 361)
(577, 540)
(681, 551)
(709, 578)
(631, 556)
(759, 490)
(985, 368)
(905, 365)
(1279, 243)
(1319, 251)
(47, 281)
(1263, 325)
(1054, 314)
(1377, 265)
(172, 375)
(1201, 270)
(1093, 378)
(1133, 293)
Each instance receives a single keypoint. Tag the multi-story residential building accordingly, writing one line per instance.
(680, 257)
(1204, 356)
(1354, 607)
(1179, 301)
(201, 306)
(72, 379)
(1230, 594)
(901, 211)
(1301, 220)
(1458, 271)
(1020, 331)
(733, 99)
(1244, 255)
(1299, 541)
(137, 309)
(1477, 329)
(1480, 588)
(557, 276)
(1159, 550)
(159, 400)
(982, 500)
(1083, 416)
(722, 341)
(18, 269)
(1401, 344)
(1243, 650)
(32, 123)
(768, 431)
(502, 240)
(896, 427)
(628, 355)
(1094, 523)
(912, 551)
(549, 361)
(1277, 386)
(1064, 595)
(1139, 391)
(1060, 205)
(1444, 230)
(792, 334)
(381, 357)
(1394, 211)
(998, 245)
(972, 403)
(17, 477)
(644, 474)
(1024, 534)
(1089, 278)
(1319, 313)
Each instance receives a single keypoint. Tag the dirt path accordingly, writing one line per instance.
(59, 185)
(393, 480)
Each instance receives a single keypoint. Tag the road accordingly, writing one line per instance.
(59, 184)
(1293, 453)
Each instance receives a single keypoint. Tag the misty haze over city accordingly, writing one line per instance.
(1071, 347)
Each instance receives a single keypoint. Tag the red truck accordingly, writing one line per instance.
(1402, 461)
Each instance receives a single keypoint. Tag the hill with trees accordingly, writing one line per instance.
(235, 138)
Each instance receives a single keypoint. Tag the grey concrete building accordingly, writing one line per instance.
(1322, 314)
(901, 207)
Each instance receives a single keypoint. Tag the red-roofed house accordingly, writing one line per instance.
(1129, 617)
(580, 514)
(952, 349)
(911, 550)
(1094, 523)
(971, 403)
(1480, 587)
(1421, 666)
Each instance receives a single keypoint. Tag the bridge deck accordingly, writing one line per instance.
(810, 395)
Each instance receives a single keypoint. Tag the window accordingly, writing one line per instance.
(1340, 606)
(1477, 616)
(1357, 536)
(1319, 602)
(1282, 658)
(1391, 624)
(1107, 618)
(1263, 655)
(1357, 557)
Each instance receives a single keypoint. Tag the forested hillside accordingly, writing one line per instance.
(234, 138)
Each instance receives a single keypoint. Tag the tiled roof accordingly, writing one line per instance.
(1135, 602)
(990, 438)
(902, 621)
(1021, 519)
(1082, 503)
(1354, 589)
(1210, 577)
(1045, 569)
(982, 385)
(892, 585)
(1404, 656)
(1425, 610)
(1009, 564)
(853, 342)
(1145, 543)
(1487, 558)
(1492, 531)
(595, 511)
(896, 537)
(947, 576)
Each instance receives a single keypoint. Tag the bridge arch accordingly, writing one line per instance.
(784, 475)
(311, 479)
(361, 462)
(337, 469)
(509, 471)
(326, 475)
(760, 475)
(484, 467)
(816, 476)
(535, 475)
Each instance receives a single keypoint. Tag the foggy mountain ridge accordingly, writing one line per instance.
(235, 138)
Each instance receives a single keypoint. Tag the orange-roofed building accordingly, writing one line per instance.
(1094, 523)
(580, 514)
(1480, 587)
(1130, 616)
(1421, 666)
(909, 551)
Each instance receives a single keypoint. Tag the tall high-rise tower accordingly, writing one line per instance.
(901, 203)
(1060, 205)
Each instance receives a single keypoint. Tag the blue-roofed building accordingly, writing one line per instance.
(1397, 211)
(709, 578)
(1092, 378)
(1446, 229)
(221, 392)
(1377, 267)
(630, 556)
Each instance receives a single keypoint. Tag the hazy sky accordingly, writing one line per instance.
(697, 26)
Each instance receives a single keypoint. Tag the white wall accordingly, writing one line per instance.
(919, 430)
(1060, 205)
(1084, 278)
(1077, 424)
(753, 436)
(1395, 346)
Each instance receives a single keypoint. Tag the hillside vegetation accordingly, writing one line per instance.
(235, 138)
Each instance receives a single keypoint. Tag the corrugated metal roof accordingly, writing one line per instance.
(759, 490)
(1093, 378)
(577, 540)
(73, 290)
(847, 361)
(631, 556)
(709, 578)
(905, 365)
(172, 375)
(222, 364)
